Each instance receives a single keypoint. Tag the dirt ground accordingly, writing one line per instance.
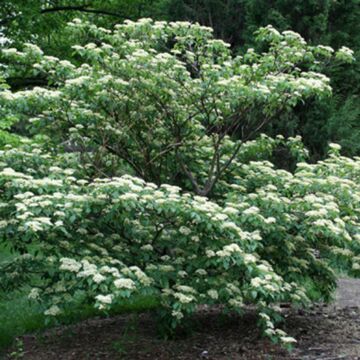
(323, 333)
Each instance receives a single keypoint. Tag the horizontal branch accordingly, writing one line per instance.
(83, 8)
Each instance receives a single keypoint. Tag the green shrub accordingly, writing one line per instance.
(208, 219)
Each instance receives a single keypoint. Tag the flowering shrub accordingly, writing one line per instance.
(111, 238)
(166, 99)
(133, 237)
(168, 103)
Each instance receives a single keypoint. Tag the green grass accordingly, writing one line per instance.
(18, 316)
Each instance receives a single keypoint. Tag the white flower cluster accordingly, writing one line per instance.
(124, 284)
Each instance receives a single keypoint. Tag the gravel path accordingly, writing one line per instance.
(348, 293)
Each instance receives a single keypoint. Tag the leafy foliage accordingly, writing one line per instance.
(207, 219)
(171, 101)
(44, 22)
(333, 23)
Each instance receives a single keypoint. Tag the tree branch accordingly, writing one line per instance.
(83, 8)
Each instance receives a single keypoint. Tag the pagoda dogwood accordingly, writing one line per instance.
(166, 190)
(165, 99)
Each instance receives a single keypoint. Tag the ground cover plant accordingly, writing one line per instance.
(148, 175)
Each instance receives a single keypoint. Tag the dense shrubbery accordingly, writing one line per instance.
(158, 196)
